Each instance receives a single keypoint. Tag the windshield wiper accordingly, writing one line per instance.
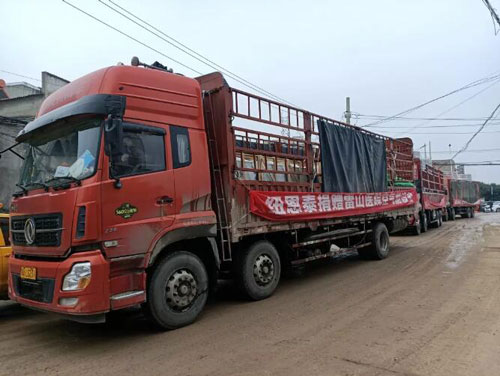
(70, 178)
(38, 184)
(23, 188)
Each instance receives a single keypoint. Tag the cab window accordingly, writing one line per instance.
(143, 151)
(181, 150)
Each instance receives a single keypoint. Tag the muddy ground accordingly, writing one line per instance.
(431, 308)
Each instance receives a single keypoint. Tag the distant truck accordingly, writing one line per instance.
(141, 186)
(464, 198)
(433, 196)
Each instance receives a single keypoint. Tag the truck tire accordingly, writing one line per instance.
(472, 213)
(424, 224)
(258, 270)
(446, 215)
(440, 219)
(417, 229)
(177, 291)
(452, 214)
(379, 249)
(467, 213)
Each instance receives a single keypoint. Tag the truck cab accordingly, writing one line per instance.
(115, 179)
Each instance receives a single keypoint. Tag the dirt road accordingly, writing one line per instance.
(431, 308)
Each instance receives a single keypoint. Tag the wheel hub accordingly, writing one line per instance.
(181, 289)
(263, 270)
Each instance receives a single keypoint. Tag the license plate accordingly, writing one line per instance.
(28, 272)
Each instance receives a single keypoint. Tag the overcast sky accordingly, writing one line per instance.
(387, 55)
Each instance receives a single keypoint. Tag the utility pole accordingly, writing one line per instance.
(430, 153)
(347, 112)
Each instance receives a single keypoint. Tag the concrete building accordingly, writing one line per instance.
(452, 169)
(19, 104)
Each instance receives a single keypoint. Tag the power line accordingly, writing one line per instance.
(493, 114)
(130, 37)
(436, 126)
(449, 133)
(468, 86)
(467, 151)
(494, 15)
(191, 52)
(152, 48)
(377, 117)
(20, 75)
(457, 105)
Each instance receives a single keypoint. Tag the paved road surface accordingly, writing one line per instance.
(431, 308)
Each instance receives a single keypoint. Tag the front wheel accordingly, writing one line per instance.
(177, 291)
(258, 270)
(424, 223)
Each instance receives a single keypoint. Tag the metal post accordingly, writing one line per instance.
(347, 112)
(430, 153)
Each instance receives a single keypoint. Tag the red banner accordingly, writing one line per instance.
(459, 202)
(434, 201)
(287, 206)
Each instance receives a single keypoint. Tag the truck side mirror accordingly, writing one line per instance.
(113, 143)
(113, 136)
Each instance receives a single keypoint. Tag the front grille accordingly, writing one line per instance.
(48, 229)
(41, 290)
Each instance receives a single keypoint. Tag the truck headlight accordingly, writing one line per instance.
(78, 278)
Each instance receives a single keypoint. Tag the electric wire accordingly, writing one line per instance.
(168, 39)
(455, 106)
(493, 114)
(130, 37)
(468, 86)
(21, 75)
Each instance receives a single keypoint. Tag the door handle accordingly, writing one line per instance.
(164, 200)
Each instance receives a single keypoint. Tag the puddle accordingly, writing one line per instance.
(460, 247)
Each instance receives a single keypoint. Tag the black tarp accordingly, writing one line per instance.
(351, 161)
(465, 190)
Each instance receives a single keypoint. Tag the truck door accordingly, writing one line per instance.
(141, 204)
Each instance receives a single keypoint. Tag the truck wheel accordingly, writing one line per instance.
(258, 270)
(467, 213)
(452, 214)
(472, 213)
(498, 210)
(440, 219)
(445, 215)
(416, 230)
(423, 223)
(177, 291)
(379, 248)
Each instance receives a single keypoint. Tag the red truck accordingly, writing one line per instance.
(433, 196)
(464, 198)
(141, 186)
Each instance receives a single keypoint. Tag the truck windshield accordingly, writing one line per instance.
(65, 151)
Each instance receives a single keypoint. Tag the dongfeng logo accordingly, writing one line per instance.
(29, 231)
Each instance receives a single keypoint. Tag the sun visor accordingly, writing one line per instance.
(97, 104)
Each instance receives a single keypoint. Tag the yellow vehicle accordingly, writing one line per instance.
(5, 251)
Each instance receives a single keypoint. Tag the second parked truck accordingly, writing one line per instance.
(143, 187)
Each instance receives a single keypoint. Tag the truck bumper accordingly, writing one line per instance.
(45, 292)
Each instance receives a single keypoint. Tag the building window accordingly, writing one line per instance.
(181, 150)
(143, 151)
